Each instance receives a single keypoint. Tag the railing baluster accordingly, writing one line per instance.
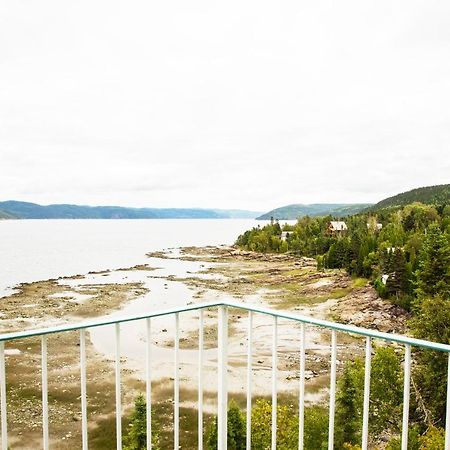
(249, 380)
(447, 414)
(274, 382)
(118, 392)
(406, 390)
(148, 383)
(332, 390)
(222, 388)
(45, 432)
(84, 432)
(301, 398)
(176, 406)
(3, 397)
(367, 369)
(200, 380)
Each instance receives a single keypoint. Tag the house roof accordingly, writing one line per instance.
(338, 225)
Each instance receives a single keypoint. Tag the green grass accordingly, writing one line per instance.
(299, 272)
(292, 294)
(359, 282)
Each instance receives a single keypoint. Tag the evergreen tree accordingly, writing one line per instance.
(433, 274)
(236, 432)
(385, 397)
(136, 436)
(349, 403)
(432, 322)
(397, 283)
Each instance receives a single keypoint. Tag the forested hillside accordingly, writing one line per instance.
(293, 212)
(430, 195)
(405, 253)
(393, 256)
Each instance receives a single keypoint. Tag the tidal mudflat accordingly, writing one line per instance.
(173, 278)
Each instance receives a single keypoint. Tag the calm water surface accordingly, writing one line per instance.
(32, 250)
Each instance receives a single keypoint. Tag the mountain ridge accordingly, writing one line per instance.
(296, 210)
(13, 209)
(431, 195)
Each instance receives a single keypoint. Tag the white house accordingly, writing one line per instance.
(337, 227)
(285, 234)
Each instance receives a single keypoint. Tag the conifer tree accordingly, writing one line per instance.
(433, 275)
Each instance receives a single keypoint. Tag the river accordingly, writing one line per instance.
(33, 250)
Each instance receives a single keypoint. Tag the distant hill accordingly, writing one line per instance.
(5, 215)
(292, 212)
(237, 213)
(431, 195)
(25, 210)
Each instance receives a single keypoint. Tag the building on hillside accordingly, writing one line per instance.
(375, 226)
(337, 227)
(285, 235)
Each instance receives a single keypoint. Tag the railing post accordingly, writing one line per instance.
(332, 390)
(447, 414)
(301, 399)
(45, 433)
(406, 391)
(84, 432)
(222, 389)
(118, 390)
(148, 383)
(200, 379)
(274, 382)
(3, 396)
(176, 405)
(249, 380)
(367, 370)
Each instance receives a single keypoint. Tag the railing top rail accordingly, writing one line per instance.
(110, 320)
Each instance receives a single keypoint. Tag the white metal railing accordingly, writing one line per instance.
(222, 395)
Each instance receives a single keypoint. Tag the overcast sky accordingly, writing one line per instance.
(247, 104)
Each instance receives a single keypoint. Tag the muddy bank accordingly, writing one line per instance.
(290, 283)
(52, 302)
(184, 276)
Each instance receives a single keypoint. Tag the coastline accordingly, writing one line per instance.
(195, 274)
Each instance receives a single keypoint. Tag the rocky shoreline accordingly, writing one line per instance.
(280, 281)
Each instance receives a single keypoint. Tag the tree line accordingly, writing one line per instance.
(408, 262)
(409, 257)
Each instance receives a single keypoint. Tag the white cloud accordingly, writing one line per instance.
(237, 104)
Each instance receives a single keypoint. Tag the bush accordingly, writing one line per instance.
(236, 433)
(433, 439)
(386, 388)
(136, 435)
(315, 434)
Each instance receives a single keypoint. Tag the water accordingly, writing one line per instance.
(41, 249)
(33, 250)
